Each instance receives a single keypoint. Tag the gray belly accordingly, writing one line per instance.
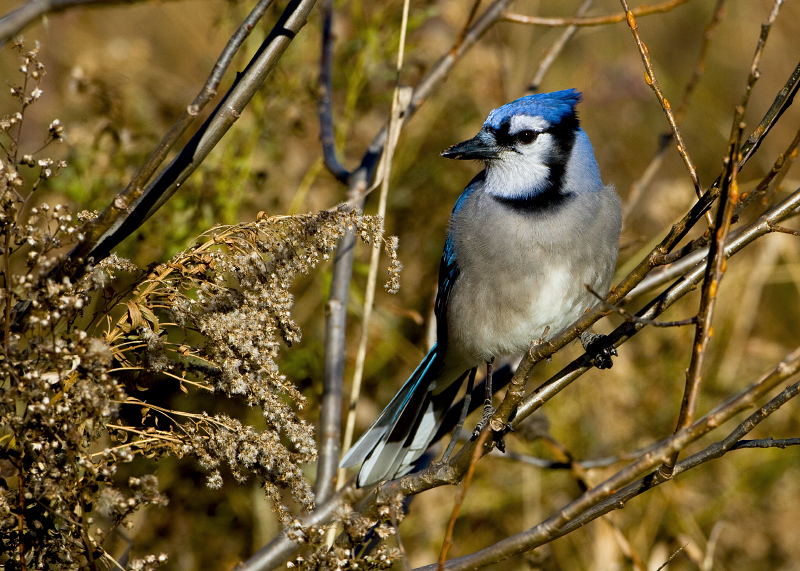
(522, 274)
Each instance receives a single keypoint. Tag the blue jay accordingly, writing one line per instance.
(527, 235)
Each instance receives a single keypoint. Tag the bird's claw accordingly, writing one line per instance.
(497, 435)
(600, 348)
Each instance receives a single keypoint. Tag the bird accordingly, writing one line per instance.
(526, 237)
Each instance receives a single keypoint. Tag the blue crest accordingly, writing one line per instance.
(552, 107)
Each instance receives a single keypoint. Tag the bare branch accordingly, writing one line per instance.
(679, 261)
(636, 318)
(638, 187)
(327, 465)
(281, 548)
(15, 21)
(522, 406)
(451, 524)
(766, 443)
(131, 207)
(575, 514)
(324, 90)
(552, 52)
(713, 276)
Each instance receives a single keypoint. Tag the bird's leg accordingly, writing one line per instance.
(600, 348)
(488, 409)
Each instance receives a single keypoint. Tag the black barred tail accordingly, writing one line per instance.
(405, 428)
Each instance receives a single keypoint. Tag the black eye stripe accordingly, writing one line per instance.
(563, 133)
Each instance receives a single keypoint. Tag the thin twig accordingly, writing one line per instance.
(464, 407)
(636, 318)
(713, 276)
(400, 100)
(775, 174)
(451, 524)
(554, 50)
(523, 406)
(671, 557)
(679, 261)
(577, 20)
(639, 186)
(465, 29)
(547, 390)
(134, 205)
(716, 257)
(652, 81)
(400, 546)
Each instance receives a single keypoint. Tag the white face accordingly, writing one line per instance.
(521, 171)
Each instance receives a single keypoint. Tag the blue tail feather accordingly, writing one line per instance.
(405, 428)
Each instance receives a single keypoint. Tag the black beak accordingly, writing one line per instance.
(480, 147)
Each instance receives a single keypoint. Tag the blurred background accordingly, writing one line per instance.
(118, 76)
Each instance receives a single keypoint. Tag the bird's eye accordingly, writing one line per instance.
(526, 136)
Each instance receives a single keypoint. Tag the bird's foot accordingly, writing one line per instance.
(497, 435)
(488, 411)
(600, 348)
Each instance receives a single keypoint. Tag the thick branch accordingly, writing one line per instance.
(134, 205)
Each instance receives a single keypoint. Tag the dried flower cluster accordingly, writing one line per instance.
(362, 544)
(234, 291)
(77, 352)
(59, 501)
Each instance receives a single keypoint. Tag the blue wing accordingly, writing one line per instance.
(448, 267)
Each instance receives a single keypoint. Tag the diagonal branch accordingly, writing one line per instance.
(713, 276)
(567, 518)
(637, 188)
(652, 81)
(131, 207)
(553, 51)
(523, 406)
